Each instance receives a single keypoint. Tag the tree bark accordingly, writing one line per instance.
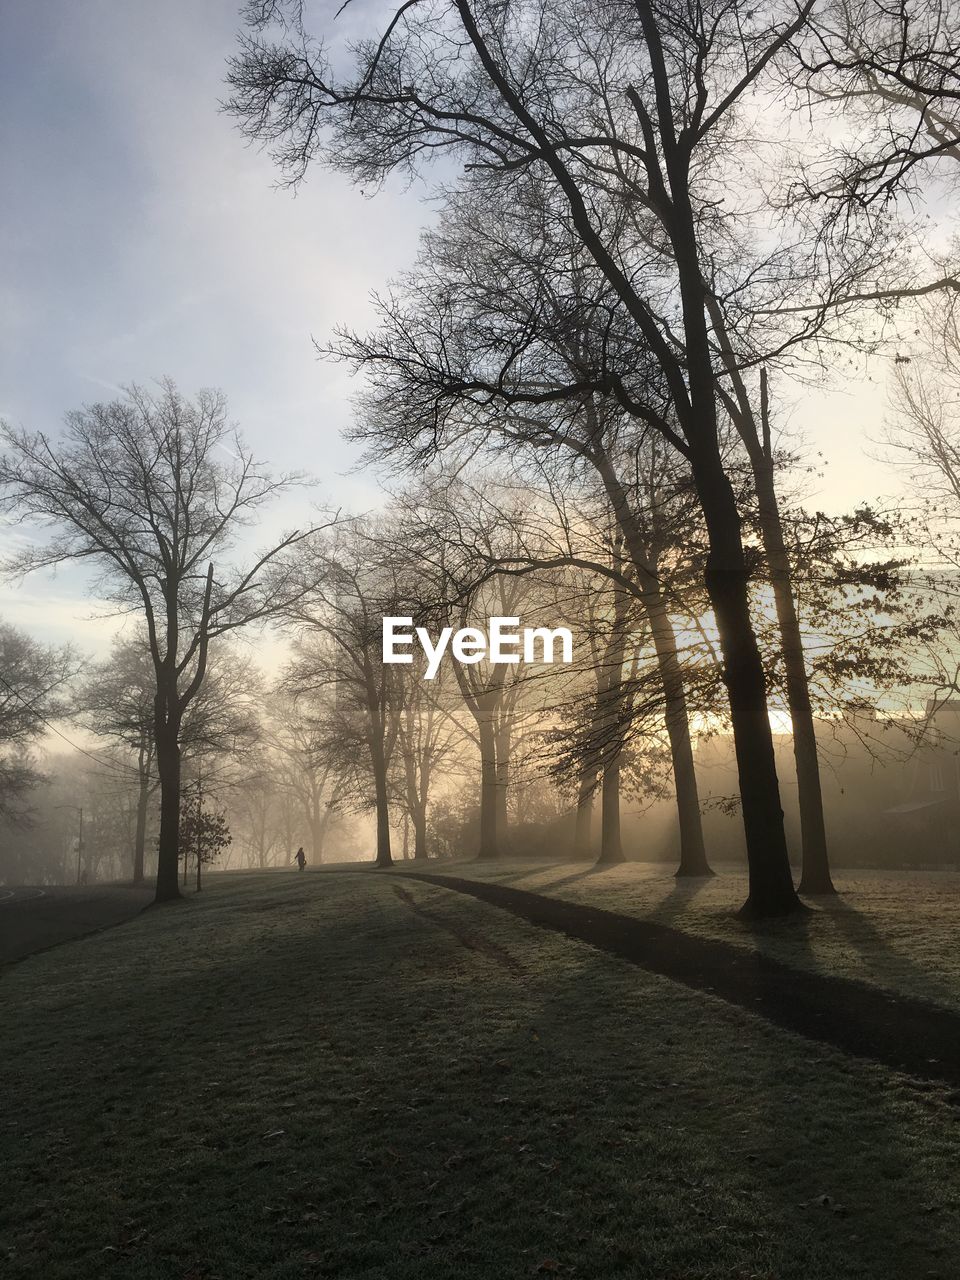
(420, 836)
(610, 711)
(417, 782)
(582, 838)
(382, 794)
(501, 737)
(489, 843)
(168, 846)
(771, 891)
(140, 837)
(611, 845)
(693, 853)
(815, 873)
(316, 824)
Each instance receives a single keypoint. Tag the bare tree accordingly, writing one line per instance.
(117, 702)
(891, 68)
(638, 98)
(152, 490)
(297, 732)
(500, 334)
(340, 615)
(425, 736)
(34, 679)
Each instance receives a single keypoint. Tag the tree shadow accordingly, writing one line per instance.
(770, 934)
(682, 894)
(880, 958)
(593, 869)
(654, 1130)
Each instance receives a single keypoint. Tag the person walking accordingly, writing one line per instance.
(301, 858)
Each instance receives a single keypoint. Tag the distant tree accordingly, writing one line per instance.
(303, 760)
(151, 489)
(33, 684)
(348, 591)
(444, 578)
(255, 812)
(117, 701)
(424, 741)
(204, 833)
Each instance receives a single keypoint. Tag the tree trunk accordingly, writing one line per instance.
(316, 825)
(584, 828)
(610, 709)
(489, 844)
(771, 891)
(693, 853)
(611, 846)
(501, 740)
(815, 874)
(168, 847)
(693, 391)
(140, 838)
(417, 782)
(420, 836)
(381, 791)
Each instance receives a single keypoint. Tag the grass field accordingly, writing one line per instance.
(360, 1076)
(896, 929)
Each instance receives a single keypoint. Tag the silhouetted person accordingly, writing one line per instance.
(301, 858)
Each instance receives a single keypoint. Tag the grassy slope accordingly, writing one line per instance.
(312, 1076)
(897, 930)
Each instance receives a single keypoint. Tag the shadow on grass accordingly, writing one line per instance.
(339, 1086)
(883, 960)
(681, 897)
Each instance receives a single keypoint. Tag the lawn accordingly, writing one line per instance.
(360, 1076)
(896, 929)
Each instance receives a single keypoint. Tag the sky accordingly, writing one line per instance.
(140, 237)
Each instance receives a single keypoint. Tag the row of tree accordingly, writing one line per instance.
(293, 760)
(643, 225)
(647, 231)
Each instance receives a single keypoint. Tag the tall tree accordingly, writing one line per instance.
(500, 334)
(643, 96)
(152, 490)
(347, 593)
(890, 69)
(117, 701)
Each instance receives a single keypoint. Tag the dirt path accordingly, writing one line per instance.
(908, 1035)
(33, 919)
